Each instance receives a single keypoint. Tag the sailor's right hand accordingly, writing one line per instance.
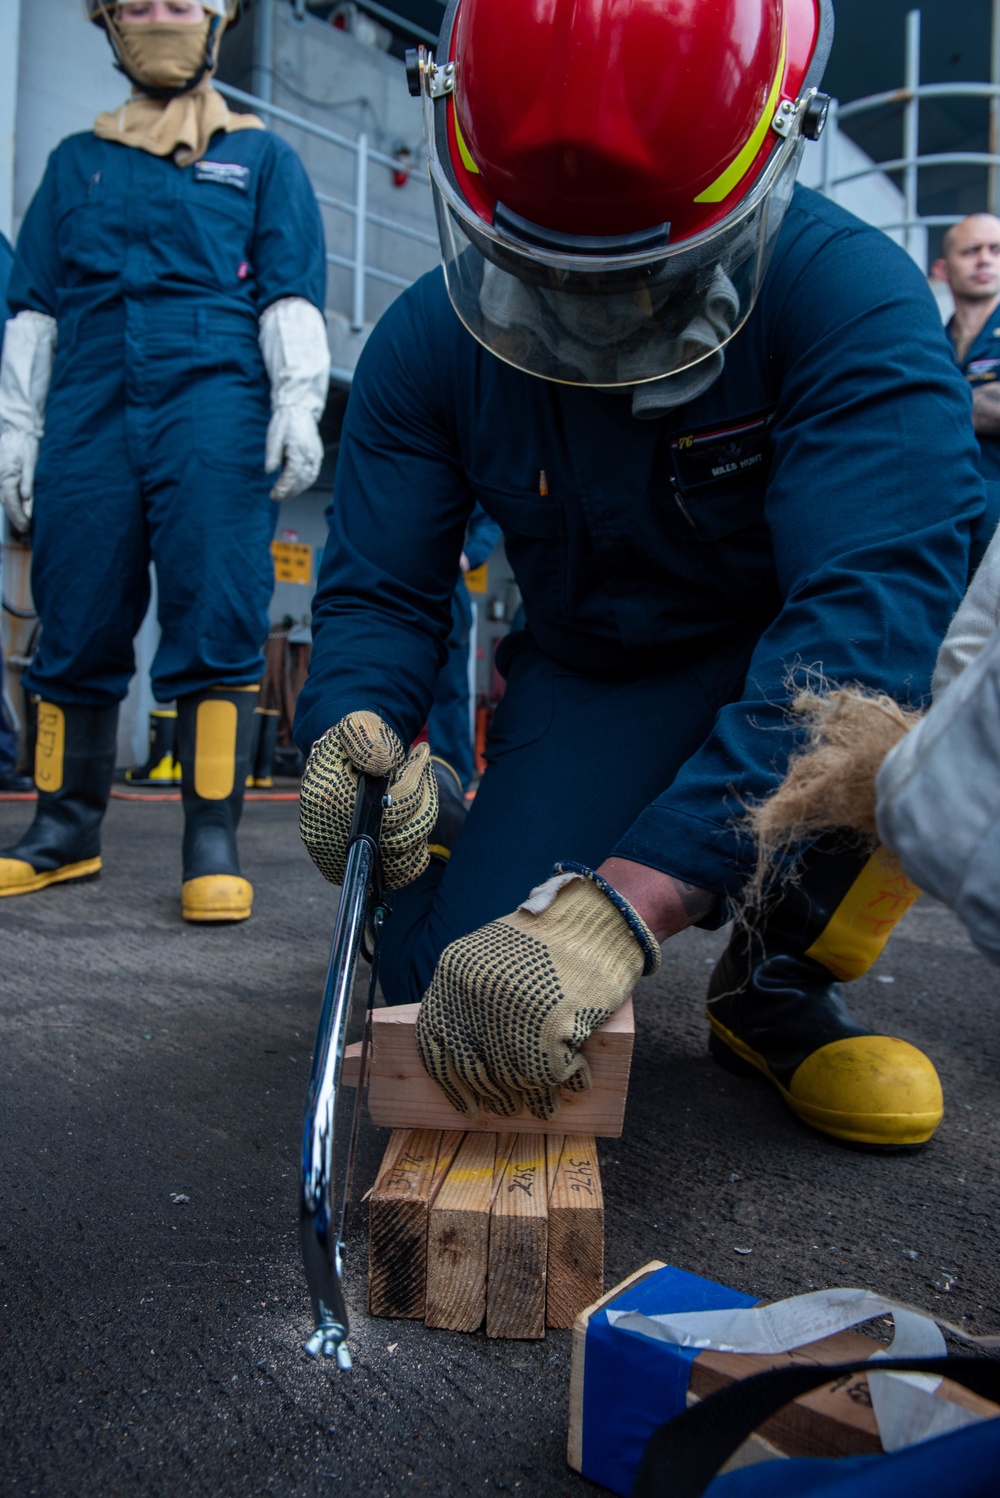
(18, 456)
(362, 743)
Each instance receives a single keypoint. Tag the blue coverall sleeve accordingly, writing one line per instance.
(35, 275)
(480, 538)
(871, 499)
(382, 611)
(289, 251)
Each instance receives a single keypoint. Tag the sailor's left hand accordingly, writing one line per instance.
(295, 446)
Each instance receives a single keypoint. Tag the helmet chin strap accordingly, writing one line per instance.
(154, 91)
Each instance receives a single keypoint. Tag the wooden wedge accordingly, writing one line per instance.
(399, 1208)
(515, 1292)
(576, 1233)
(458, 1238)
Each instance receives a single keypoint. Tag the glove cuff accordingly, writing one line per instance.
(645, 939)
(29, 348)
(296, 355)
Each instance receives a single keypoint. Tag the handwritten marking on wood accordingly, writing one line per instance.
(515, 1293)
(397, 1250)
(576, 1232)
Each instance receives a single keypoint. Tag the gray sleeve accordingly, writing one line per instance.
(977, 617)
(939, 799)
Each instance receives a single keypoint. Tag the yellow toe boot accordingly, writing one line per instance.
(775, 1006)
(74, 766)
(214, 734)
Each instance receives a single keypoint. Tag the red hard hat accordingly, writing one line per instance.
(574, 137)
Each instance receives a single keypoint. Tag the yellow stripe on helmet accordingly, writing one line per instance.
(463, 150)
(737, 170)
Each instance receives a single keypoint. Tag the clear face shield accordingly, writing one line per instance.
(593, 319)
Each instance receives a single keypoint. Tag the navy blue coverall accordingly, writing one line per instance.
(981, 366)
(8, 741)
(159, 404)
(449, 728)
(813, 510)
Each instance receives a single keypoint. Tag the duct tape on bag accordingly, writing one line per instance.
(904, 1404)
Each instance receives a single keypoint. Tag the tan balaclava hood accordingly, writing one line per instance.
(164, 55)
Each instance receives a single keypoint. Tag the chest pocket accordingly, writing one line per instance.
(91, 228)
(533, 531)
(519, 512)
(214, 225)
(718, 476)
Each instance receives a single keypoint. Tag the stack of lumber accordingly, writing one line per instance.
(506, 1228)
(487, 1219)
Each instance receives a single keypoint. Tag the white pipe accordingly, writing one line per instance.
(360, 226)
(264, 54)
(993, 184)
(911, 124)
(10, 30)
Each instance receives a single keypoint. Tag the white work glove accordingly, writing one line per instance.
(297, 358)
(29, 347)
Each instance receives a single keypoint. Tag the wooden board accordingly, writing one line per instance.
(515, 1294)
(402, 1095)
(505, 1143)
(451, 1141)
(553, 1149)
(576, 1232)
(458, 1238)
(399, 1207)
(837, 1420)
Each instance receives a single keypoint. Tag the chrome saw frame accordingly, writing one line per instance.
(324, 1199)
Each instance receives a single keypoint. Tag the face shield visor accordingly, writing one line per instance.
(629, 311)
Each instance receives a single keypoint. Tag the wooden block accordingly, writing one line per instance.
(458, 1238)
(553, 1149)
(397, 1248)
(505, 1143)
(837, 1420)
(451, 1141)
(576, 1233)
(515, 1293)
(402, 1095)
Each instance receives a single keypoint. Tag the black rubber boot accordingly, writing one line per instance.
(452, 809)
(214, 731)
(74, 766)
(775, 1006)
(263, 744)
(161, 767)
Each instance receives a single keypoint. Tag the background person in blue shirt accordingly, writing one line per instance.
(724, 451)
(169, 341)
(970, 263)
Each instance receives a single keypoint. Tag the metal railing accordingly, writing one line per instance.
(911, 161)
(357, 263)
